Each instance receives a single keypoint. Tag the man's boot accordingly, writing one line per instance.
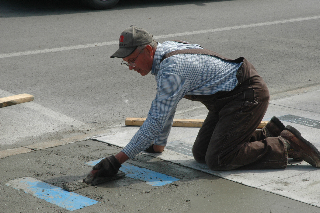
(298, 147)
(273, 128)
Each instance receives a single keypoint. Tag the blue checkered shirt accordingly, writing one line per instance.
(177, 76)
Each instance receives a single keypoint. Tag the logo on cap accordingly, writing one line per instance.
(121, 38)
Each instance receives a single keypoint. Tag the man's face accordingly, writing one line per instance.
(140, 60)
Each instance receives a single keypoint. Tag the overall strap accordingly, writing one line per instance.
(199, 52)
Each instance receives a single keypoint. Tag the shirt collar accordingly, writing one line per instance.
(156, 59)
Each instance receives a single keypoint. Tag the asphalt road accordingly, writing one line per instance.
(59, 52)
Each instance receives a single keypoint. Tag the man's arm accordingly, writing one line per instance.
(155, 149)
(158, 148)
(170, 93)
(121, 157)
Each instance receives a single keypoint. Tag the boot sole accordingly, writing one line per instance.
(279, 124)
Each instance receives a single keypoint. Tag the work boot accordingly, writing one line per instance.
(298, 147)
(273, 128)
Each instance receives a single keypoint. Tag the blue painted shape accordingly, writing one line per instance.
(93, 163)
(150, 177)
(53, 194)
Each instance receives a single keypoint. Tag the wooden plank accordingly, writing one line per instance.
(262, 124)
(178, 122)
(187, 122)
(15, 99)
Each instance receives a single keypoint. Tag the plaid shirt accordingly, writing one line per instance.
(177, 76)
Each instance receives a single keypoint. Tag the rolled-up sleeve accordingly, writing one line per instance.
(160, 117)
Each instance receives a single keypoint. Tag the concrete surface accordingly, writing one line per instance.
(194, 187)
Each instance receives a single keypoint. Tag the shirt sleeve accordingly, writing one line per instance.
(163, 136)
(160, 117)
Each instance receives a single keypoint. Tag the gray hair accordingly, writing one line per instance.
(153, 44)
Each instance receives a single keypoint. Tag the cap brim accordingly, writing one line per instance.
(123, 52)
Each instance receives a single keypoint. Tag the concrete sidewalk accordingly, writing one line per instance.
(299, 181)
(170, 181)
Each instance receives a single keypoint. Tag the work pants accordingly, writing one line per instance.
(229, 138)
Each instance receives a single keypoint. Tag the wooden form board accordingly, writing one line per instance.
(178, 122)
(15, 99)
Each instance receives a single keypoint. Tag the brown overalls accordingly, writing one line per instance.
(228, 138)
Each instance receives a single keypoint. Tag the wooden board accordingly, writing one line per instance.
(178, 122)
(15, 99)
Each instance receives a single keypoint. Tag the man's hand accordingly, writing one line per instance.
(107, 167)
(155, 149)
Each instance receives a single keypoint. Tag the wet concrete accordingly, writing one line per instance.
(195, 191)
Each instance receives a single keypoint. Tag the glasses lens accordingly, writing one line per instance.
(129, 64)
(124, 63)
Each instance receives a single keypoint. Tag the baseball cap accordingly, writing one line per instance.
(130, 39)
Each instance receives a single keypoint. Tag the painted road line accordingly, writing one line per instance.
(174, 35)
(150, 177)
(52, 194)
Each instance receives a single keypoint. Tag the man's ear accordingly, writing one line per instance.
(149, 48)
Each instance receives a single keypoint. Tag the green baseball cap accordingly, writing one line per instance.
(130, 39)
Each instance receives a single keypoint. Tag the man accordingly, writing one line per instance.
(233, 92)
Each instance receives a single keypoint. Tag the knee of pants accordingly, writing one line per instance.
(199, 159)
(198, 156)
(214, 163)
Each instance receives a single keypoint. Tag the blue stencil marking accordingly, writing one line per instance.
(52, 194)
(150, 177)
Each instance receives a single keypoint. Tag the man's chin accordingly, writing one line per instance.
(142, 73)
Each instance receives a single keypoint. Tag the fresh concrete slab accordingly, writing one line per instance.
(298, 181)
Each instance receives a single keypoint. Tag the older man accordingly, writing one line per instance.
(233, 92)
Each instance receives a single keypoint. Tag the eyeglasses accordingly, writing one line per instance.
(132, 61)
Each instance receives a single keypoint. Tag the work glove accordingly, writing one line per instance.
(107, 167)
(150, 149)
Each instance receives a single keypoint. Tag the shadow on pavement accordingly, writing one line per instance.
(24, 8)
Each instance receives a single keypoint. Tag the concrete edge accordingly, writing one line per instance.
(40, 146)
(15, 151)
